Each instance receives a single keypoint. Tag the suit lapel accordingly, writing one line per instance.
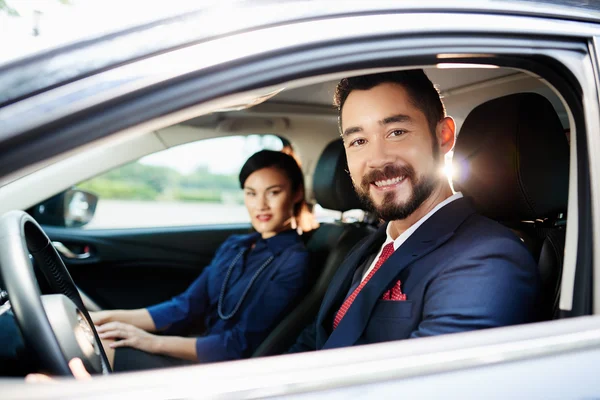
(433, 233)
(338, 287)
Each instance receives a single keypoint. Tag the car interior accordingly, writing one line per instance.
(511, 157)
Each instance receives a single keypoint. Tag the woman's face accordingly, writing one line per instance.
(270, 202)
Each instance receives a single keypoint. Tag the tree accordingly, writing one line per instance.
(4, 7)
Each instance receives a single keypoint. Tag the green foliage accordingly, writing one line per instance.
(198, 195)
(138, 181)
(4, 7)
(114, 189)
(202, 178)
(156, 177)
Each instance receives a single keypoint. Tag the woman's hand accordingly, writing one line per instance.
(140, 318)
(102, 317)
(77, 368)
(130, 336)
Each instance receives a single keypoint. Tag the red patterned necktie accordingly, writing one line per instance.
(387, 251)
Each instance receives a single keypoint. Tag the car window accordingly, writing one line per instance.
(191, 184)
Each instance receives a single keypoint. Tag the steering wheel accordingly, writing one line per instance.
(56, 326)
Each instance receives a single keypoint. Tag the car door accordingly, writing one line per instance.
(158, 221)
(552, 359)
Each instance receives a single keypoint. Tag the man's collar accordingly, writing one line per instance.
(404, 235)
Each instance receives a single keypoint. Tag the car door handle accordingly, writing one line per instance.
(67, 253)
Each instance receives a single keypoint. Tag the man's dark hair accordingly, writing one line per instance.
(423, 95)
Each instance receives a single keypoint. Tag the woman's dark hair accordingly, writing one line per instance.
(285, 163)
(269, 158)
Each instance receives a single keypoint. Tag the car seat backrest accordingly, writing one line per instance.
(327, 246)
(512, 159)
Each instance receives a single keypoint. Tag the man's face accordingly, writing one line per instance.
(392, 154)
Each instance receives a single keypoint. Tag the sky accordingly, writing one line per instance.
(221, 155)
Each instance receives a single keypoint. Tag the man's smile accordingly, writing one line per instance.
(386, 184)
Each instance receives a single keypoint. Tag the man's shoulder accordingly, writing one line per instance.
(486, 227)
(484, 234)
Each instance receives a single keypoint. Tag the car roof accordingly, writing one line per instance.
(55, 67)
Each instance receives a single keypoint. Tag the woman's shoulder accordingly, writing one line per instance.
(243, 237)
(294, 260)
(295, 249)
(240, 240)
(286, 242)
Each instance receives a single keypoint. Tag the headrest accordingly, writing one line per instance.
(331, 182)
(512, 158)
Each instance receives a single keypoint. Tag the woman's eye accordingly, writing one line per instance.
(250, 194)
(274, 193)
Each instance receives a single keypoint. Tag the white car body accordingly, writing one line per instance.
(293, 46)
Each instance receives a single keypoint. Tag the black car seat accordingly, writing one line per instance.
(328, 245)
(512, 158)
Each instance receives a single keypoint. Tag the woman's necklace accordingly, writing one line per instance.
(224, 286)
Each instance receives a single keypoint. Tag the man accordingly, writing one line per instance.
(436, 266)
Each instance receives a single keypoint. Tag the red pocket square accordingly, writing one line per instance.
(395, 293)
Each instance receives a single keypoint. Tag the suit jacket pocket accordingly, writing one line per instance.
(390, 320)
(392, 309)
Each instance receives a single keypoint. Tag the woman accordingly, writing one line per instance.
(247, 288)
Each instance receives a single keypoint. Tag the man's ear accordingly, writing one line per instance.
(446, 134)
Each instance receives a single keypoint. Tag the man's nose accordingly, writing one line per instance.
(379, 155)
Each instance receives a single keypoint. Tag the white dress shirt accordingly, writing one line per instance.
(406, 234)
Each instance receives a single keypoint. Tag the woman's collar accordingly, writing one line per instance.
(281, 241)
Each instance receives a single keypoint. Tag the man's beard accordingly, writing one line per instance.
(390, 210)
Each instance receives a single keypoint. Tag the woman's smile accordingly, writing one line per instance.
(264, 217)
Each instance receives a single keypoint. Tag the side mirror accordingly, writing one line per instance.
(72, 208)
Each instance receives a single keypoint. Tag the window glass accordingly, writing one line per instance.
(327, 215)
(191, 184)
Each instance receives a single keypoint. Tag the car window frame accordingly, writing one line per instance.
(576, 334)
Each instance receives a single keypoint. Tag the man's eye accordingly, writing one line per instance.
(397, 132)
(357, 142)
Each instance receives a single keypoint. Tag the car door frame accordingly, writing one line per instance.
(406, 363)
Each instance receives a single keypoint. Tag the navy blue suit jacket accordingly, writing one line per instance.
(459, 270)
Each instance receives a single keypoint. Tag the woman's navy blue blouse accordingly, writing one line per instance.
(279, 285)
